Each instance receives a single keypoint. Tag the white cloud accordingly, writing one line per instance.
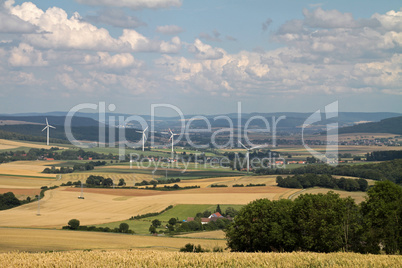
(133, 4)
(61, 32)
(104, 59)
(174, 46)
(391, 21)
(169, 29)
(12, 24)
(26, 55)
(205, 51)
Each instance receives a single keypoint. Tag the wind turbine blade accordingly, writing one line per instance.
(170, 131)
(51, 126)
(138, 131)
(259, 146)
(243, 145)
(145, 129)
(47, 123)
(45, 128)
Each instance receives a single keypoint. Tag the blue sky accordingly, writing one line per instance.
(201, 56)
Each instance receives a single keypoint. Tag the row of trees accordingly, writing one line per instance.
(156, 182)
(77, 167)
(99, 181)
(74, 224)
(322, 223)
(327, 181)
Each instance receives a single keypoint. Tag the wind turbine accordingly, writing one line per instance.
(144, 136)
(172, 138)
(48, 127)
(248, 153)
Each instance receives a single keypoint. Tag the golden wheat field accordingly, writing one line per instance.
(39, 240)
(137, 258)
(27, 168)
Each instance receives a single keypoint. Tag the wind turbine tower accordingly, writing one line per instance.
(48, 127)
(172, 138)
(248, 153)
(144, 137)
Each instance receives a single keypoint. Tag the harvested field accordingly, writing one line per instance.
(22, 182)
(211, 235)
(27, 168)
(108, 205)
(10, 144)
(357, 196)
(36, 240)
(26, 192)
(130, 179)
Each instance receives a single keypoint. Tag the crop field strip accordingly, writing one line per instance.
(139, 258)
(36, 240)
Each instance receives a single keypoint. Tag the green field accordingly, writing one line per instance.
(181, 211)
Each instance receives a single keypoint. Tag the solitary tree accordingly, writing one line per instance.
(74, 224)
(123, 227)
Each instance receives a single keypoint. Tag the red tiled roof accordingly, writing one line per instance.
(205, 219)
(216, 215)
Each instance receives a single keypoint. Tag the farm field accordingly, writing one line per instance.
(27, 168)
(357, 196)
(139, 258)
(18, 145)
(110, 205)
(219, 234)
(36, 240)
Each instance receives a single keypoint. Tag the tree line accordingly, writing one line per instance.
(388, 170)
(327, 181)
(383, 155)
(322, 223)
(77, 167)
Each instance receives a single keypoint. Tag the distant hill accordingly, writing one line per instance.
(90, 133)
(390, 125)
(53, 120)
